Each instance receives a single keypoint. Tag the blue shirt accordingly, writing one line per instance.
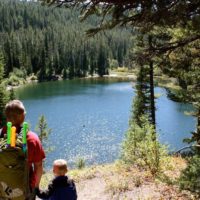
(61, 188)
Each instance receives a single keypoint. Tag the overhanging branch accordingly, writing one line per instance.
(174, 45)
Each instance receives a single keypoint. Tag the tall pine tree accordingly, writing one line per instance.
(3, 93)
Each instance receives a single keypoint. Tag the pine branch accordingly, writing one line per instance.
(174, 45)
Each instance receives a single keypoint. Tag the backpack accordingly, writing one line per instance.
(14, 169)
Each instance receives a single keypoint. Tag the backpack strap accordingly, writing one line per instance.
(2, 132)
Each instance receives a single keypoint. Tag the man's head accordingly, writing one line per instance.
(59, 167)
(15, 112)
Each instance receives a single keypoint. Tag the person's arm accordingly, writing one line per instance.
(36, 156)
(75, 192)
(38, 169)
(45, 194)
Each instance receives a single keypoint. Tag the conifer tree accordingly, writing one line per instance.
(12, 94)
(43, 130)
(44, 41)
(141, 99)
(64, 73)
(3, 93)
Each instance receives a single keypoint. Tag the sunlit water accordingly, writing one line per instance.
(88, 117)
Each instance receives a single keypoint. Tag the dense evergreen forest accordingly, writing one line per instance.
(51, 41)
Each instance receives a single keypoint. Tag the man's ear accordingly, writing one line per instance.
(23, 116)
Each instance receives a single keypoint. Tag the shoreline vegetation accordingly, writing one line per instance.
(120, 73)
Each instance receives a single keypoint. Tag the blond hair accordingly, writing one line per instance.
(61, 164)
(13, 110)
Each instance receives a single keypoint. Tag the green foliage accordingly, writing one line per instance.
(190, 177)
(12, 94)
(3, 93)
(144, 102)
(44, 41)
(141, 147)
(183, 63)
(114, 64)
(21, 73)
(177, 95)
(16, 78)
(80, 163)
(13, 80)
(43, 132)
(64, 73)
(3, 101)
(142, 99)
(41, 74)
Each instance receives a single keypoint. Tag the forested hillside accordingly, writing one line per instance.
(48, 42)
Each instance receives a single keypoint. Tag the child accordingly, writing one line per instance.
(61, 187)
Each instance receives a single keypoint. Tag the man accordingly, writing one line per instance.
(15, 113)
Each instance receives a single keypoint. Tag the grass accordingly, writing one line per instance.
(116, 187)
(115, 172)
(160, 80)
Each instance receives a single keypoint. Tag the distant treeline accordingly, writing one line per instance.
(52, 41)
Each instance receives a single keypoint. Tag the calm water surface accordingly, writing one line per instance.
(88, 117)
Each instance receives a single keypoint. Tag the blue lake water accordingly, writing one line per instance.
(89, 117)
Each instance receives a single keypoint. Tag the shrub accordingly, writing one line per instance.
(190, 177)
(13, 80)
(17, 77)
(142, 148)
(80, 163)
(113, 63)
(21, 73)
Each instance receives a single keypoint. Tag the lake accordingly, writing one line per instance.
(89, 117)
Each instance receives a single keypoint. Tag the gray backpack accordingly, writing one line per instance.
(14, 170)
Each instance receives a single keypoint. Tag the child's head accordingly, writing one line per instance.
(59, 167)
(15, 112)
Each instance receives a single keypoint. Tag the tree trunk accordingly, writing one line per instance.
(151, 81)
(198, 127)
(152, 102)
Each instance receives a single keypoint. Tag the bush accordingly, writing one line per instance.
(142, 148)
(21, 73)
(13, 80)
(80, 163)
(190, 177)
(17, 77)
(113, 64)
